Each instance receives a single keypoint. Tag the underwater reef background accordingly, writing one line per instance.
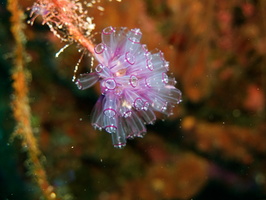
(213, 147)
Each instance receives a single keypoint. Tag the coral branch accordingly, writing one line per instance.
(20, 103)
(67, 20)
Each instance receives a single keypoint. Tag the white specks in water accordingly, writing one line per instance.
(80, 119)
(100, 8)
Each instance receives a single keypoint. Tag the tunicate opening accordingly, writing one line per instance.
(149, 65)
(110, 84)
(119, 139)
(166, 65)
(130, 58)
(138, 103)
(96, 126)
(144, 47)
(145, 106)
(134, 39)
(108, 30)
(119, 145)
(111, 129)
(99, 68)
(135, 35)
(99, 48)
(147, 83)
(162, 56)
(109, 112)
(87, 80)
(127, 114)
(133, 81)
(164, 107)
(78, 85)
(165, 78)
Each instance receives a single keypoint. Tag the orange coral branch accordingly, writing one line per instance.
(20, 103)
(67, 20)
(73, 29)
